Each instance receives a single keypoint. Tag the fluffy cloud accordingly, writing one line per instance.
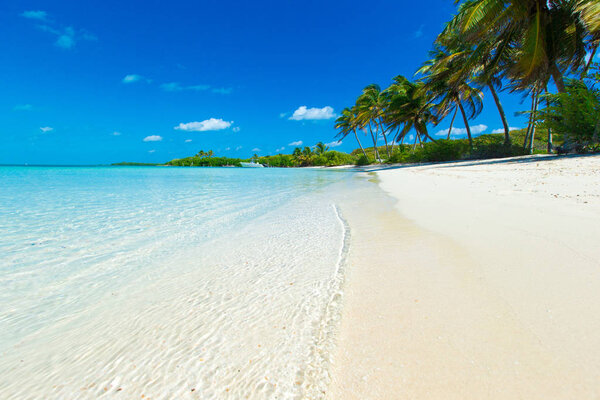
(296, 143)
(236, 129)
(304, 113)
(153, 138)
(334, 144)
(151, 151)
(115, 133)
(211, 124)
(475, 129)
(501, 130)
(238, 148)
(188, 140)
(227, 148)
(132, 78)
(35, 14)
(280, 149)
(46, 129)
(23, 107)
(256, 149)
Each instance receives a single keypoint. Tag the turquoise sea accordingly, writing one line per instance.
(168, 282)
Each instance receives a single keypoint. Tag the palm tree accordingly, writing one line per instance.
(371, 106)
(449, 85)
(347, 123)
(321, 148)
(209, 153)
(544, 37)
(409, 107)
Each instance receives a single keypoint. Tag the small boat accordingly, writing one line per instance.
(251, 165)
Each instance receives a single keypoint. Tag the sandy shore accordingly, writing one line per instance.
(481, 281)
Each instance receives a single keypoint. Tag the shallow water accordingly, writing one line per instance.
(168, 282)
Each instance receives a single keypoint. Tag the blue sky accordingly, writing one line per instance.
(105, 81)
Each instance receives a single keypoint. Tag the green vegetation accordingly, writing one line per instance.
(197, 161)
(575, 114)
(515, 45)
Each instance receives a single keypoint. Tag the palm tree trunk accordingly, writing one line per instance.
(529, 123)
(415, 144)
(387, 149)
(452, 122)
(464, 115)
(374, 144)
(532, 138)
(557, 77)
(502, 115)
(591, 60)
(550, 146)
(359, 144)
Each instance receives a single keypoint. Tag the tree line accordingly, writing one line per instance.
(500, 45)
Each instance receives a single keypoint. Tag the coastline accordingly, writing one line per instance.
(476, 279)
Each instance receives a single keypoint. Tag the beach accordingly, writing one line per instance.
(474, 279)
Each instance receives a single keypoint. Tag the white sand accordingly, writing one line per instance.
(485, 284)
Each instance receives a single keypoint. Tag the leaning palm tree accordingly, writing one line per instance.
(346, 123)
(447, 84)
(409, 108)
(481, 65)
(371, 106)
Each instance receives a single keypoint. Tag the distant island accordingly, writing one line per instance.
(483, 147)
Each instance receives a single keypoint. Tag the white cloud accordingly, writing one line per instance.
(35, 14)
(236, 129)
(211, 124)
(304, 113)
(475, 129)
(131, 78)
(238, 148)
(153, 138)
(227, 148)
(45, 129)
(501, 130)
(296, 143)
(151, 151)
(282, 148)
(171, 87)
(334, 144)
(115, 133)
(222, 90)
(23, 107)
(282, 115)
(256, 149)
(188, 140)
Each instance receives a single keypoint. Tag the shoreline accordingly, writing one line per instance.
(474, 279)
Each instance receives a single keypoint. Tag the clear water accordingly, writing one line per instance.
(167, 282)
